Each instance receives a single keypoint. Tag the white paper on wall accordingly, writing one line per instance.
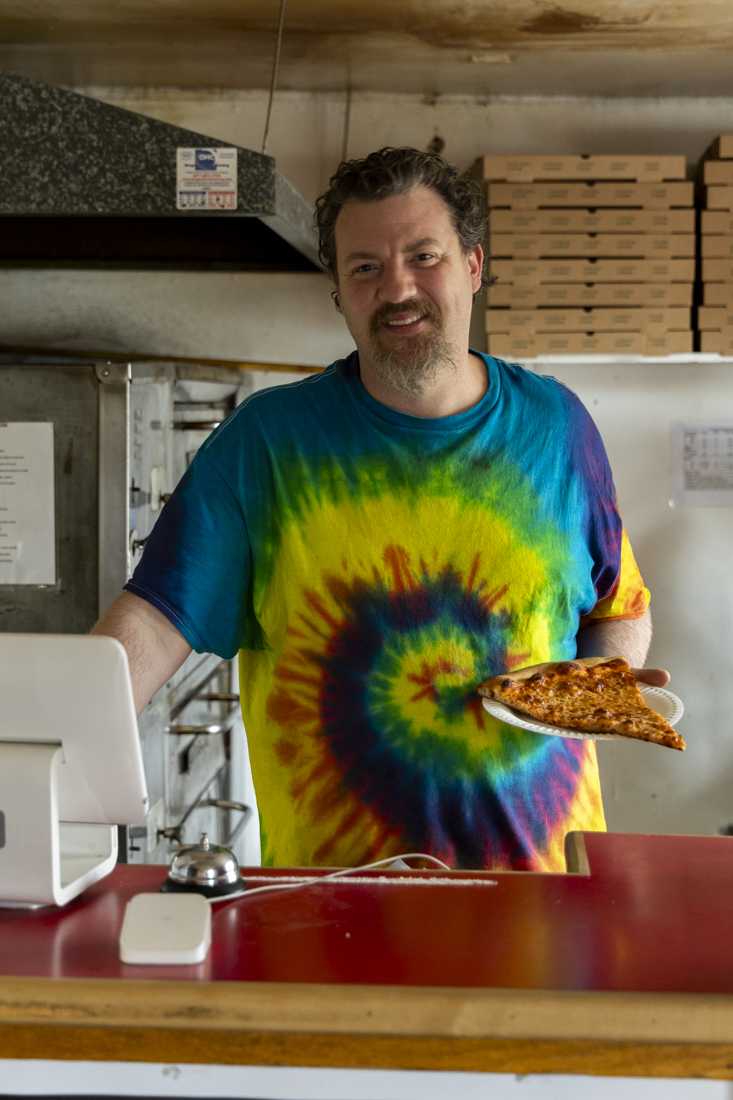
(27, 504)
(702, 473)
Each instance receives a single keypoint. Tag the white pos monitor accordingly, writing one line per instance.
(71, 766)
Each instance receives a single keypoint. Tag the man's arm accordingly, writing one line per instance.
(628, 638)
(155, 649)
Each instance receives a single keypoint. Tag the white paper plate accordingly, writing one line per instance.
(659, 699)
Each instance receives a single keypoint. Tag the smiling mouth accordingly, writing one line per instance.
(406, 322)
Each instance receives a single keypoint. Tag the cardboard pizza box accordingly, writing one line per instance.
(518, 296)
(536, 272)
(720, 342)
(641, 245)
(645, 196)
(716, 248)
(577, 343)
(720, 197)
(718, 294)
(531, 167)
(717, 171)
(723, 147)
(715, 318)
(717, 269)
(716, 222)
(592, 221)
(587, 320)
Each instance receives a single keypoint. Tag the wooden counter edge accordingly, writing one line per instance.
(272, 1023)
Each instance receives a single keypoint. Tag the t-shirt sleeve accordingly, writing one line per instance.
(619, 588)
(196, 566)
(629, 597)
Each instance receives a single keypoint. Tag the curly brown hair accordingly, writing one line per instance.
(392, 171)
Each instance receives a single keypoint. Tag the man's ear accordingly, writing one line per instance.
(336, 300)
(476, 266)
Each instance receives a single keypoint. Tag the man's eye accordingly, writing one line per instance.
(425, 257)
(364, 269)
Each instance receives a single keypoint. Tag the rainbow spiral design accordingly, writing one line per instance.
(372, 717)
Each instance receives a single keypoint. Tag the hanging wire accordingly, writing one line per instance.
(275, 70)
(347, 120)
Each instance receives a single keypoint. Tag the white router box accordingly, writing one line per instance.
(166, 929)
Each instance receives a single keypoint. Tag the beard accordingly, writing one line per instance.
(410, 365)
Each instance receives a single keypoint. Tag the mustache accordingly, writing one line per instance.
(413, 305)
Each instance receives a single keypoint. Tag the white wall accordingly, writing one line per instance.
(683, 553)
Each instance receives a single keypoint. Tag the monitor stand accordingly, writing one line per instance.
(44, 861)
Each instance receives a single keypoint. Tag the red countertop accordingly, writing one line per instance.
(648, 914)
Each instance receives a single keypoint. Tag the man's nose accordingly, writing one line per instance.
(397, 283)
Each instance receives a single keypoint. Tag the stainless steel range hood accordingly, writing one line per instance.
(83, 181)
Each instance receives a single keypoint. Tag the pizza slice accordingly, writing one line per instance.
(592, 695)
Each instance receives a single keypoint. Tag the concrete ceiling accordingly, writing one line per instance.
(430, 47)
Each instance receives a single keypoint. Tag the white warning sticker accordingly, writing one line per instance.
(206, 179)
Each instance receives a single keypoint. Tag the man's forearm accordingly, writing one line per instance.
(629, 638)
(155, 649)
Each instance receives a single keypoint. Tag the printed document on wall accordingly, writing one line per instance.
(27, 504)
(702, 457)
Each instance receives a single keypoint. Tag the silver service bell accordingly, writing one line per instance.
(206, 868)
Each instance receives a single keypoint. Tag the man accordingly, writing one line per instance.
(378, 539)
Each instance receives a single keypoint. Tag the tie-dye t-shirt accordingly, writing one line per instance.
(372, 568)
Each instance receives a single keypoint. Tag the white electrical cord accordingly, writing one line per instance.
(344, 872)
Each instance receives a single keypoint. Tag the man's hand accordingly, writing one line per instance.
(657, 677)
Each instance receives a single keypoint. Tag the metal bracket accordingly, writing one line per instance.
(173, 832)
(108, 373)
(181, 730)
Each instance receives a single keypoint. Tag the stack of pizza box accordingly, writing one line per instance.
(715, 314)
(589, 255)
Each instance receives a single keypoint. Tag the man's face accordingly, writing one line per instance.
(406, 287)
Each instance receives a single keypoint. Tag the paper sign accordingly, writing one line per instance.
(703, 464)
(206, 179)
(27, 527)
